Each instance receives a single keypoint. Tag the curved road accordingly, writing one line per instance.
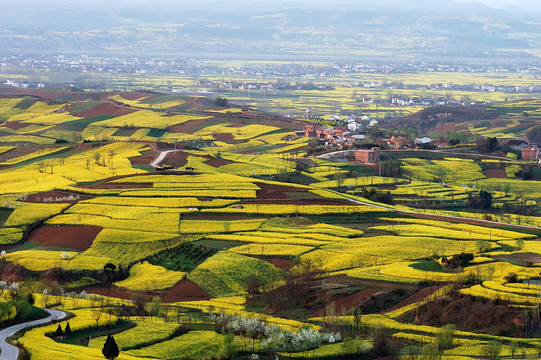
(160, 157)
(10, 352)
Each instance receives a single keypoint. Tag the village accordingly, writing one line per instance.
(358, 133)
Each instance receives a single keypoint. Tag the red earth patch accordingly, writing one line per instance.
(134, 96)
(104, 108)
(108, 185)
(187, 127)
(285, 264)
(185, 290)
(496, 173)
(15, 125)
(73, 237)
(225, 137)
(219, 162)
(55, 197)
(348, 302)
(142, 160)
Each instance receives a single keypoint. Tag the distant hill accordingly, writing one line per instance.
(431, 117)
(431, 30)
(509, 120)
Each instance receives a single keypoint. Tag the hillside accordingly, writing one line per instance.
(187, 229)
(390, 30)
(507, 120)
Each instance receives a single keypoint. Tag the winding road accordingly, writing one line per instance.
(162, 156)
(10, 352)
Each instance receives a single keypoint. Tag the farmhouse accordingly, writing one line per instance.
(423, 140)
(368, 155)
(531, 153)
(517, 144)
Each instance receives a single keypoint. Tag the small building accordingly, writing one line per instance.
(423, 140)
(368, 155)
(531, 153)
(517, 144)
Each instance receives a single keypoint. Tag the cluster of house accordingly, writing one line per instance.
(417, 101)
(343, 137)
(530, 152)
(24, 85)
(484, 88)
(263, 86)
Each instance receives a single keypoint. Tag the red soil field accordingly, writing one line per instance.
(346, 303)
(217, 217)
(74, 237)
(179, 159)
(285, 264)
(186, 127)
(114, 292)
(15, 125)
(134, 96)
(496, 173)
(418, 296)
(176, 159)
(522, 257)
(299, 202)
(142, 160)
(279, 188)
(185, 290)
(225, 137)
(104, 108)
(58, 197)
(219, 162)
(107, 185)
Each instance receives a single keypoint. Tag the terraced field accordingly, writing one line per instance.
(231, 254)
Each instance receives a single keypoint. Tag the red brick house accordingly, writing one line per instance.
(531, 153)
(368, 155)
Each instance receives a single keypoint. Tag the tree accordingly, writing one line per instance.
(58, 332)
(489, 145)
(110, 348)
(111, 153)
(481, 201)
(67, 330)
(513, 347)
(221, 101)
(357, 318)
(347, 347)
(155, 307)
(97, 157)
(445, 337)
(253, 287)
(97, 309)
(230, 348)
(431, 352)
(482, 245)
(339, 177)
(491, 350)
(109, 270)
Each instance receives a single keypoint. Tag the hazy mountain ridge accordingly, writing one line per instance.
(427, 28)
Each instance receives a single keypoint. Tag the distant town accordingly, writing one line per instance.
(82, 64)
